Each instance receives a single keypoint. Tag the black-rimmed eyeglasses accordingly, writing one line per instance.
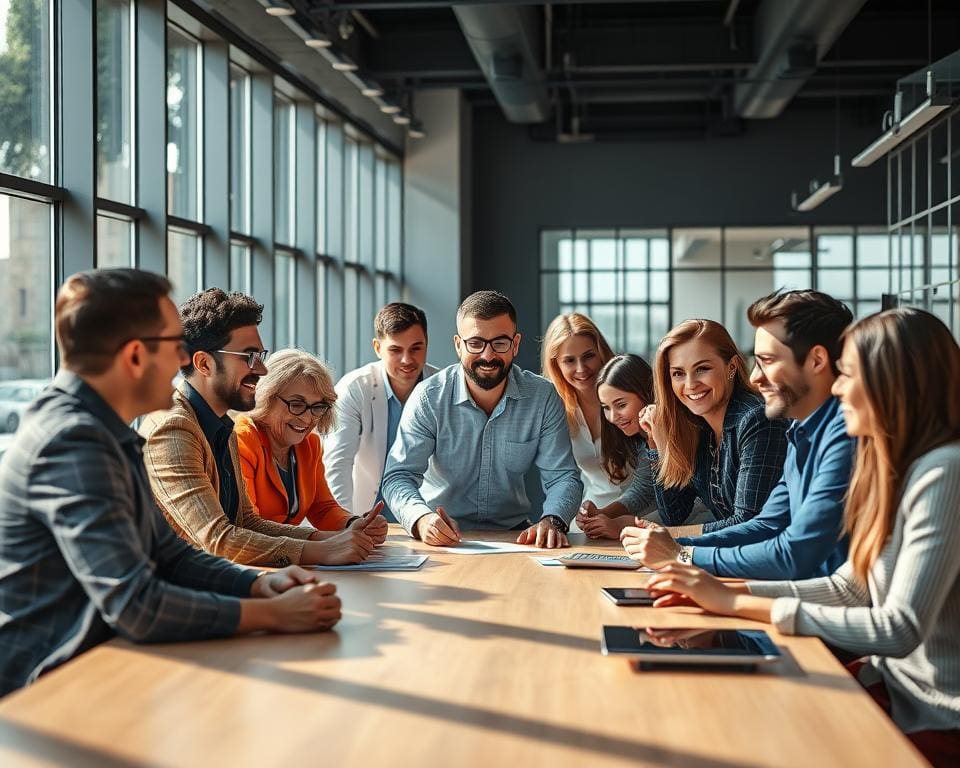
(252, 357)
(476, 344)
(299, 407)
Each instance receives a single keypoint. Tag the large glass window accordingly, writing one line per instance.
(284, 177)
(240, 268)
(26, 289)
(183, 125)
(322, 341)
(619, 278)
(183, 264)
(114, 242)
(115, 100)
(25, 133)
(637, 284)
(351, 202)
(351, 318)
(285, 295)
(239, 150)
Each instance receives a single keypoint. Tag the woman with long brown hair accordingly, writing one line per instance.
(708, 435)
(574, 350)
(897, 598)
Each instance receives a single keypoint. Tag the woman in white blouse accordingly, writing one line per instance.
(896, 600)
(574, 351)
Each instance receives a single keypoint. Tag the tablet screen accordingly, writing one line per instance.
(720, 643)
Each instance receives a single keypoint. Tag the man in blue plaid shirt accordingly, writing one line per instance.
(84, 552)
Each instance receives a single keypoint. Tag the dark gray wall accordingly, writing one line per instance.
(521, 186)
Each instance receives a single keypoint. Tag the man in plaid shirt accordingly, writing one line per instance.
(84, 552)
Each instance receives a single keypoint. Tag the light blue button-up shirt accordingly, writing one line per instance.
(449, 454)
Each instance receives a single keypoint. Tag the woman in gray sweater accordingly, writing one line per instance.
(897, 598)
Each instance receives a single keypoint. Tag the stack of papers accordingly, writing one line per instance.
(379, 561)
(477, 547)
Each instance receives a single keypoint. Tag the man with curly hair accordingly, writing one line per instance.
(191, 451)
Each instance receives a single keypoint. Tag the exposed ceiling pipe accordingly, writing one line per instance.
(506, 45)
(793, 35)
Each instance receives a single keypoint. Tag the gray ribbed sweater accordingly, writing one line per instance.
(907, 618)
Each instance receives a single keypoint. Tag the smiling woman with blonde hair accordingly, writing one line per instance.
(280, 452)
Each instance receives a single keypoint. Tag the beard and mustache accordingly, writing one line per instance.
(488, 381)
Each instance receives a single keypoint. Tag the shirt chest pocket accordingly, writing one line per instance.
(518, 456)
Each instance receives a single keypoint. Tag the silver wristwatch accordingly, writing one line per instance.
(685, 556)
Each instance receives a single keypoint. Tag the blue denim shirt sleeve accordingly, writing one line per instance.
(773, 518)
(559, 473)
(811, 536)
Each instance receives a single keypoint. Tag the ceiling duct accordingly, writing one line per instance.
(506, 44)
(793, 35)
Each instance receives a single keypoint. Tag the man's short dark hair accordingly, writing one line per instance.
(810, 319)
(486, 305)
(100, 310)
(398, 317)
(211, 316)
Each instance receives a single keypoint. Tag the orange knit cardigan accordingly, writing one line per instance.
(265, 487)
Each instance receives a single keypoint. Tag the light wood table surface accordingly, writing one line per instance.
(479, 660)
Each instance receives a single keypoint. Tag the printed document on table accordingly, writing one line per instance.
(487, 548)
(379, 562)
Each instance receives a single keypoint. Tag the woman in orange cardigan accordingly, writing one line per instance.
(281, 453)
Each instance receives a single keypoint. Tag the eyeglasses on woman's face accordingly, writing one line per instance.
(298, 407)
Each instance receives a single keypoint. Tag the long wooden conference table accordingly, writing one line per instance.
(479, 660)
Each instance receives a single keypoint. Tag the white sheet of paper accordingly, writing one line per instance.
(548, 561)
(487, 548)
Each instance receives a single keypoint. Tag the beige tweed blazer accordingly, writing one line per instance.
(186, 484)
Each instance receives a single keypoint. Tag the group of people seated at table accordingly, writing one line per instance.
(827, 476)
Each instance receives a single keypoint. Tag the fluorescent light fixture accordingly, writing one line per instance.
(416, 132)
(344, 66)
(317, 42)
(276, 8)
(372, 91)
(390, 109)
(820, 192)
(401, 119)
(901, 130)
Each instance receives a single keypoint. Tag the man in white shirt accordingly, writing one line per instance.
(370, 400)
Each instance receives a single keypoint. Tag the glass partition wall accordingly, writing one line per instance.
(637, 284)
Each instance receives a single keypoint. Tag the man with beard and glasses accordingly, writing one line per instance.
(191, 451)
(797, 534)
(470, 433)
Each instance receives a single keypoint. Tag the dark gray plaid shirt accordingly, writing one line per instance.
(734, 480)
(84, 551)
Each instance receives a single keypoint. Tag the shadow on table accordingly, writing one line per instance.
(478, 629)
(56, 750)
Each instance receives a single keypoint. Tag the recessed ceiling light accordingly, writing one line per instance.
(401, 119)
(317, 42)
(390, 109)
(372, 92)
(344, 66)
